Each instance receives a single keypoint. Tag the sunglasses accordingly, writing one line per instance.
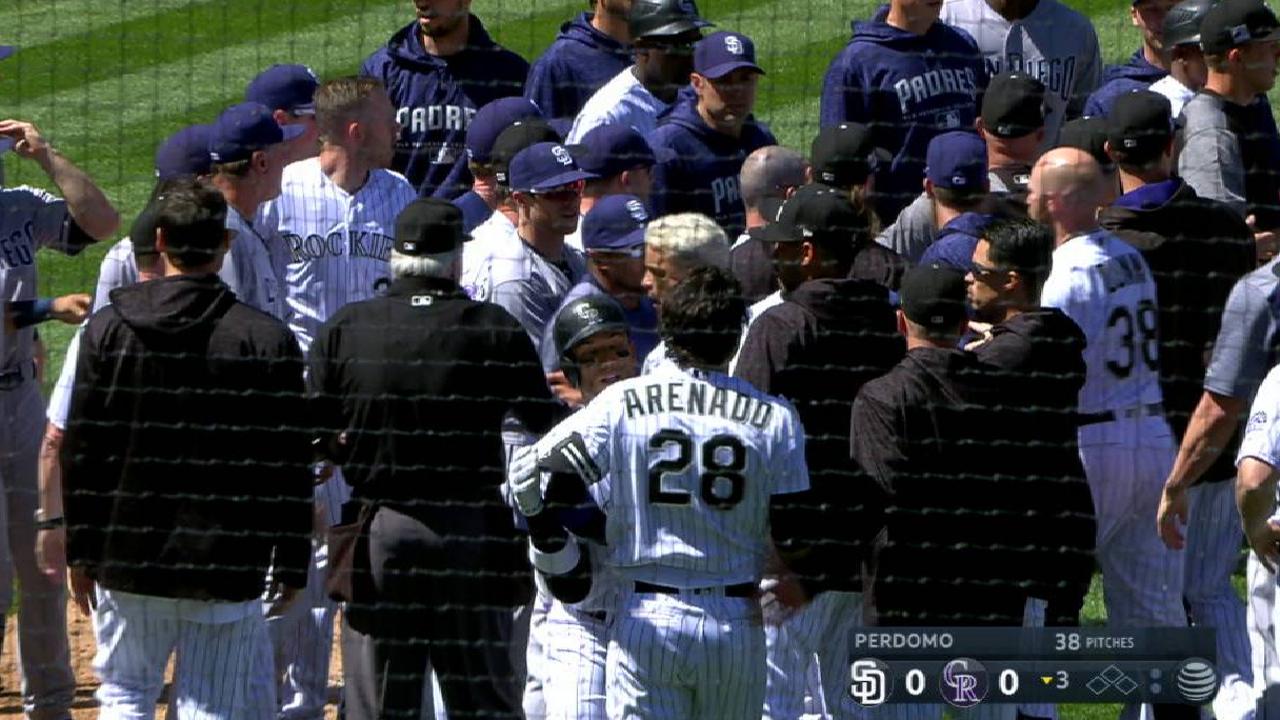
(561, 194)
(980, 270)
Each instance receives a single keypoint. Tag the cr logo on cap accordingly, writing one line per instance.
(562, 155)
(636, 209)
(733, 44)
(588, 314)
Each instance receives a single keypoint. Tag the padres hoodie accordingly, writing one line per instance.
(580, 61)
(436, 97)
(1137, 74)
(908, 88)
(698, 167)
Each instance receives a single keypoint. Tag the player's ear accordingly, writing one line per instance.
(1106, 146)
(281, 117)
(902, 323)
(928, 187)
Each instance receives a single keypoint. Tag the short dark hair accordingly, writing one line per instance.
(701, 318)
(1023, 246)
(193, 216)
(964, 200)
(340, 101)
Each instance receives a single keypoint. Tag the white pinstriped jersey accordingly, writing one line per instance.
(30, 219)
(1105, 286)
(684, 464)
(338, 244)
(1261, 440)
(248, 268)
(119, 268)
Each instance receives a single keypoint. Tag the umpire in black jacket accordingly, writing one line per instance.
(411, 390)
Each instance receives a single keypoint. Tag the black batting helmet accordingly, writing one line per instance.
(1182, 24)
(578, 321)
(663, 18)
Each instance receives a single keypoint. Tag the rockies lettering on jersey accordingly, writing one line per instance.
(692, 398)
(352, 243)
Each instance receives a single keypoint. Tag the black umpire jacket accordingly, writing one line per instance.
(952, 489)
(186, 460)
(816, 350)
(420, 381)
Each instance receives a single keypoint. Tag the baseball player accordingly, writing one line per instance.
(336, 214)
(907, 77)
(1106, 287)
(590, 50)
(1042, 38)
(1148, 63)
(591, 337)
(675, 246)
(30, 219)
(438, 70)
(686, 465)
(289, 92)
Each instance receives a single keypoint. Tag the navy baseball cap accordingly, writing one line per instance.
(246, 128)
(544, 166)
(291, 88)
(489, 122)
(185, 152)
(616, 222)
(429, 226)
(7, 51)
(957, 160)
(609, 150)
(720, 53)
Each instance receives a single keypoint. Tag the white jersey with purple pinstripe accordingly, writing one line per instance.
(338, 244)
(684, 463)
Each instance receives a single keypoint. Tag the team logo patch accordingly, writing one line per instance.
(1256, 421)
(959, 180)
(410, 246)
(587, 314)
(733, 45)
(636, 209)
(562, 155)
(1240, 34)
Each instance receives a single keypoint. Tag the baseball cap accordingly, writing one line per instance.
(661, 18)
(544, 166)
(429, 226)
(609, 150)
(489, 122)
(957, 160)
(244, 129)
(1232, 23)
(817, 214)
(185, 152)
(520, 135)
(7, 51)
(1013, 105)
(615, 222)
(933, 296)
(1182, 23)
(843, 155)
(291, 88)
(719, 54)
(1088, 134)
(1140, 125)
(142, 234)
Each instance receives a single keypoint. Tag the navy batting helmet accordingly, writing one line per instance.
(580, 320)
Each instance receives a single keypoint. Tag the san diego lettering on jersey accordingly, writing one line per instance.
(696, 398)
(15, 248)
(352, 243)
(1058, 74)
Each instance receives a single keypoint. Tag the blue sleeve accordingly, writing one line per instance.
(1094, 106)
(540, 87)
(371, 67)
(842, 96)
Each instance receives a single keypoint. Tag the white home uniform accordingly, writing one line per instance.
(337, 247)
(621, 101)
(1105, 286)
(684, 464)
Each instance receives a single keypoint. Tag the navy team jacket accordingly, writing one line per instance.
(578, 63)
(435, 99)
(907, 88)
(698, 167)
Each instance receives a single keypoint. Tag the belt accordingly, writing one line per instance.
(13, 377)
(743, 590)
(1129, 413)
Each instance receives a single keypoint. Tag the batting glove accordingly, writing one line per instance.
(524, 481)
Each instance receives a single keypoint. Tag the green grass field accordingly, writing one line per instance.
(107, 81)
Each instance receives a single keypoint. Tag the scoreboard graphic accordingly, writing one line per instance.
(963, 667)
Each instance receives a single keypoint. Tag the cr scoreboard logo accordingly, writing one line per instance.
(870, 682)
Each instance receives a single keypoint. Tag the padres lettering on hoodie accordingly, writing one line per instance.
(907, 88)
(435, 99)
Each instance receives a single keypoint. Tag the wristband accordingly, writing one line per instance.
(30, 312)
(51, 523)
(555, 563)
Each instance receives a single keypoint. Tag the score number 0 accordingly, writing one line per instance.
(916, 682)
